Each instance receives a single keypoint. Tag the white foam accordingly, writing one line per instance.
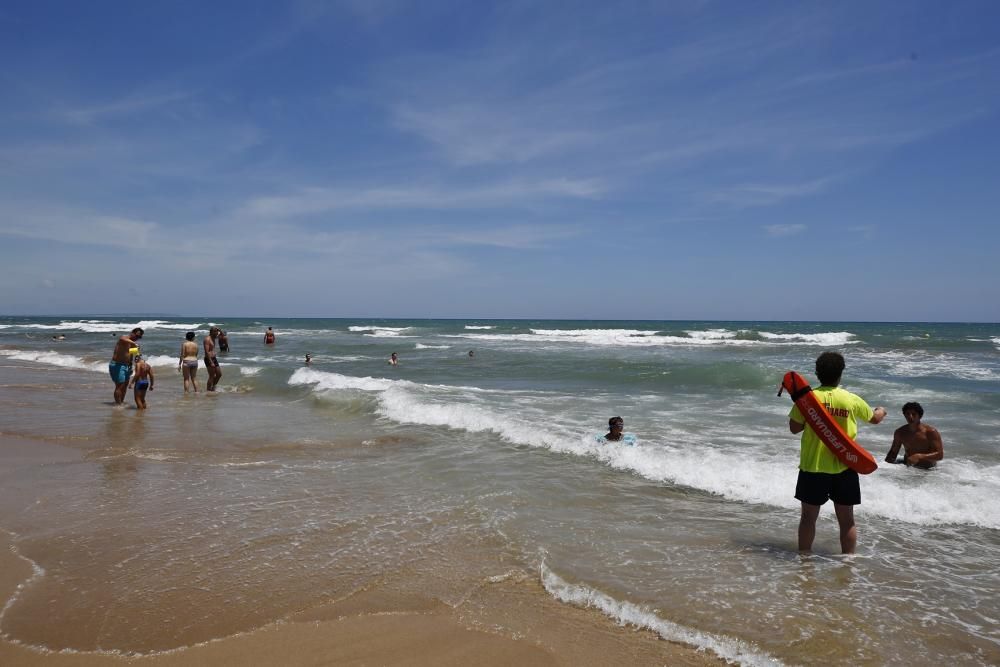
(104, 326)
(479, 326)
(647, 338)
(250, 371)
(828, 339)
(377, 331)
(712, 334)
(421, 346)
(922, 363)
(737, 464)
(628, 613)
(55, 359)
(159, 360)
(605, 337)
(325, 381)
(37, 572)
(996, 341)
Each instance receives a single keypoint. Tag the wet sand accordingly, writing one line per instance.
(501, 620)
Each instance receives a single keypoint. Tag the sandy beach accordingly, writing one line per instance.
(500, 620)
(457, 511)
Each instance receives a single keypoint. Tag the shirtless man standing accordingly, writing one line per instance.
(921, 442)
(211, 363)
(120, 367)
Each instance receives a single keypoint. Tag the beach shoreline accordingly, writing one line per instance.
(507, 619)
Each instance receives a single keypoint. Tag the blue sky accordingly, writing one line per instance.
(654, 160)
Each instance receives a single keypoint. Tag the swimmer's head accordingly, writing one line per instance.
(189, 335)
(914, 406)
(137, 333)
(616, 421)
(214, 332)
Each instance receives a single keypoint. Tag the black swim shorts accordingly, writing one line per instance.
(815, 488)
(211, 362)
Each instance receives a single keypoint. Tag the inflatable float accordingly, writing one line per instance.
(832, 434)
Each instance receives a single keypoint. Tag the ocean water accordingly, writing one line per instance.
(296, 484)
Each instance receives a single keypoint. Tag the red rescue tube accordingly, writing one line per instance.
(850, 453)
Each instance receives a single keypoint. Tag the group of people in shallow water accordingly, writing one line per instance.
(822, 476)
(128, 368)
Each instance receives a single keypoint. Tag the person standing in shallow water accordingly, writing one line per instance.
(921, 442)
(822, 476)
(188, 362)
(211, 362)
(120, 366)
(143, 381)
(223, 341)
(269, 336)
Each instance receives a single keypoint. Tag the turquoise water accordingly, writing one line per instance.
(690, 532)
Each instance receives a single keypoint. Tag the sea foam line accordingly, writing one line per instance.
(628, 613)
(37, 572)
(730, 463)
(55, 359)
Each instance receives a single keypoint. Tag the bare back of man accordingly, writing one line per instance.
(921, 442)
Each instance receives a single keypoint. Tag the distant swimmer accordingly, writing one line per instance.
(308, 359)
(393, 359)
(211, 361)
(188, 362)
(921, 442)
(616, 426)
(472, 353)
(59, 337)
(822, 476)
(223, 341)
(143, 381)
(120, 366)
(269, 336)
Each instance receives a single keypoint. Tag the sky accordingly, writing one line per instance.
(582, 160)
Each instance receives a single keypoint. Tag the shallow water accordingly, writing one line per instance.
(295, 485)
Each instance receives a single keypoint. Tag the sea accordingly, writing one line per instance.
(293, 484)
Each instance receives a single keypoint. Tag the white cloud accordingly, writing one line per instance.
(130, 104)
(761, 194)
(784, 230)
(313, 200)
(76, 227)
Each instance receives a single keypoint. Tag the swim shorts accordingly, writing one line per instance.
(211, 362)
(120, 373)
(815, 488)
(142, 385)
(193, 363)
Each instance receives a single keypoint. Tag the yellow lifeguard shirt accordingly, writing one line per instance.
(847, 409)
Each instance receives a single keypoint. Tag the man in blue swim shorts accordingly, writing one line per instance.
(120, 367)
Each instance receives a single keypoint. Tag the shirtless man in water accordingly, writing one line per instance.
(211, 363)
(120, 367)
(921, 442)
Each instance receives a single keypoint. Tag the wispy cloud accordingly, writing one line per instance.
(759, 194)
(76, 227)
(784, 230)
(313, 200)
(134, 103)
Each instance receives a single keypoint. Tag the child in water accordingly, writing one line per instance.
(142, 380)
